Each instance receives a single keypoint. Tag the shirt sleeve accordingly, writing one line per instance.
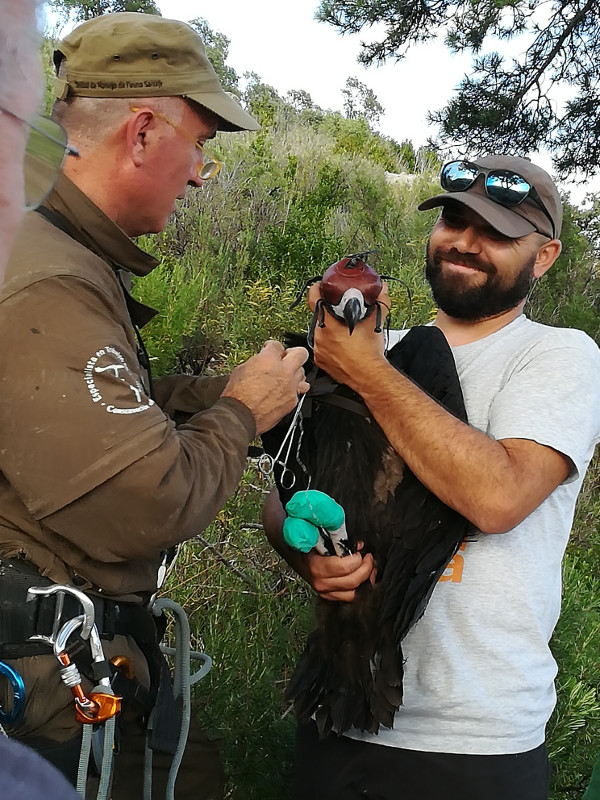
(180, 396)
(85, 448)
(553, 397)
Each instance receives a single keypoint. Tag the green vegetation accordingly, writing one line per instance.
(81, 10)
(305, 190)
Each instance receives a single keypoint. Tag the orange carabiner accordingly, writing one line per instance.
(97, 707)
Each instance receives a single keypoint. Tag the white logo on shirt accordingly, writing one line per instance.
(112, 368)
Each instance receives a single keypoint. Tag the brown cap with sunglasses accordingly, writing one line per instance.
(513, 195)
(142, 55)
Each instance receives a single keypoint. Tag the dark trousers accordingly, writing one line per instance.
(339, 768)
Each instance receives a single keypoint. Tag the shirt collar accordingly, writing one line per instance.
(96, 231)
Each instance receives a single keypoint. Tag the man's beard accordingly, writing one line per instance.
(474, 303)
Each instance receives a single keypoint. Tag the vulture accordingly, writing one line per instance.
(350, 672)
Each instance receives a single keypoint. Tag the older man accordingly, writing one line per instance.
(97, 480)
(479, 674)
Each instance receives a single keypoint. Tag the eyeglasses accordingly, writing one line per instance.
(503, 186)
(45, 153)
(208, 167)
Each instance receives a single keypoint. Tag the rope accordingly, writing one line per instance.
(182, 682)
(84, 759)
(106, 759)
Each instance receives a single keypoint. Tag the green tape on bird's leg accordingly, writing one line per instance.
(300, 534)
(317, 507)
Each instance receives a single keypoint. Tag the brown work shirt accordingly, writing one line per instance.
(96, 478)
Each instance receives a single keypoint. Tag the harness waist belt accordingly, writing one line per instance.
(21, 618)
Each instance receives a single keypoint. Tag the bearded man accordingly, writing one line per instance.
(478, 672)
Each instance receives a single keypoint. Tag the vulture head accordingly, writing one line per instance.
(350, 289)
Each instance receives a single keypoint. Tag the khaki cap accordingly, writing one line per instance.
(128, 54)
(512, 221)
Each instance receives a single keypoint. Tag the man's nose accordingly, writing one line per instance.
(194, 180)
(467, 240)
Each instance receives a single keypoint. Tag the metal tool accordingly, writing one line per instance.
(93, 707)
(266, 463)
(61, 590)
(8, 717)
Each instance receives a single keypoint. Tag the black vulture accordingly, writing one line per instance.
(350, 673)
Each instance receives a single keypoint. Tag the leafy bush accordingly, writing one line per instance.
(291, 200)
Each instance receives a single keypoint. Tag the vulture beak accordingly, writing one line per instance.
(352, 312)
(351, 307)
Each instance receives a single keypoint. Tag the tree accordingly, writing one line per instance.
(217, 50)
(261, 100)
(81, 10)
(360, 102)
(505, 104)
(300, 100)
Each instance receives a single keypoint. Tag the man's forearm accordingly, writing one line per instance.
(273, 517)
(493, 484)
(180, 396)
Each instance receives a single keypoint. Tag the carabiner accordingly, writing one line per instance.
(18, 688)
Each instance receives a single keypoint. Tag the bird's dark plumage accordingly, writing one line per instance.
(350, 673)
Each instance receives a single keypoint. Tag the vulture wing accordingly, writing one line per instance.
(350, 673)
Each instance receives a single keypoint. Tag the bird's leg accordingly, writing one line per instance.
(300, 294)
(317, 317)
(334, 543)
(377, 316)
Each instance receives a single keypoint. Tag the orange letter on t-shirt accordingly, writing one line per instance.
(454, 570)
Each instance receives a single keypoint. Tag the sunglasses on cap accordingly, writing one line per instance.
(503, 186)
(45, 153)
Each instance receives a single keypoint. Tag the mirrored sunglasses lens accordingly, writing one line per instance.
(507, 188)
(44, 157)
(458, 176)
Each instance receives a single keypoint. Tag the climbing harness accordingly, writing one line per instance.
(101, 705)
(78, 637)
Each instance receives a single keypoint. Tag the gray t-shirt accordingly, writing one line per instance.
(479, 674)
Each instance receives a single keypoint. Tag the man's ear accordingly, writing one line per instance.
(135, 131)
(546, 256)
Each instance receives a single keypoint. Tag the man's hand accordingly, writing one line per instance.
(332, 577)
(269, 383)
(344, 356)
(335, 578)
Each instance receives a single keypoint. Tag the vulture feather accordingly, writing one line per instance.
(350, 673)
